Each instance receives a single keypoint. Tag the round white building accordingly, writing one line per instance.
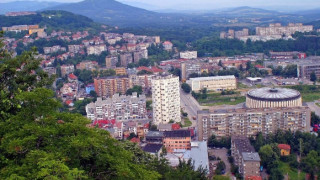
(273, 98)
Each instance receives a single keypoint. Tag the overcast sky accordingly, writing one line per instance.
(214, 4)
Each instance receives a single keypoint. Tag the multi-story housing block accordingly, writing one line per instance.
(166, 99)
(126, 59)
(96, 49)
(111, 62)
(214, 83)
(189, 55)
(119, 107)
(137, 55)
(66, 69)
(245, 156)
(109, 86)
(88, 65)
(277, 29)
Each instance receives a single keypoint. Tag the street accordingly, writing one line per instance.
(190, 106)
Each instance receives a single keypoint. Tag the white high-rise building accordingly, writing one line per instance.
(165, 99)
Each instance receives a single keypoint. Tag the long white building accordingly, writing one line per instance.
(165, 99)
(213, 83)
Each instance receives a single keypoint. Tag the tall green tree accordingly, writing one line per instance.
(313, 77)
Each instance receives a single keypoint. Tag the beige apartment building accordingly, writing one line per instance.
(259, 116)
(109, 86)
(245, 156)
(214, 83)
(165, 99)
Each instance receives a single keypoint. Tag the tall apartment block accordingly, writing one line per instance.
(111, 62)
(109, 86)
(165, 99)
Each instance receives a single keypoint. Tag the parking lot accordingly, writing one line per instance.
(222, 154)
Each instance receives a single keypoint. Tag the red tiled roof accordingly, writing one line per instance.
(68, 102)
(258, 66)
(156, 69)
(253, 178)
(144, 68)
(167, 42)
(175, 126)
(284, 146)
(135, 140)
(72, 76)
(146, 125)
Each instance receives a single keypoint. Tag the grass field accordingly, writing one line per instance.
(293, 173)
(186, 122)
(310, 97)
(216, 99)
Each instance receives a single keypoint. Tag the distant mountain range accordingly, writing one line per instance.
(112, 12)
(25, 6)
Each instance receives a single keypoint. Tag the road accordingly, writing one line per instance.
(190, 106)
(314, 107)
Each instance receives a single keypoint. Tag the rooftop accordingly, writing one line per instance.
(284, 146)
(155, 134)
(251, 156)
(179, 133)
(212, 78)
(268, 93)
(152, 148)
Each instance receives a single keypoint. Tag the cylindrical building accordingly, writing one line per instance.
(273, 98)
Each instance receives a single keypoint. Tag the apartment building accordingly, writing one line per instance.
(119, 107)
(245, 156)
(249, 121)
(109, 86)
(88, 65)
(126, 59)
(142, 54)
(142, 80)
(96, 49)
(278, 29)
(177, 140)
(66, 69)
(165, 99)
(214, 83)
(305, 68)
(111, 62)
(189, 55)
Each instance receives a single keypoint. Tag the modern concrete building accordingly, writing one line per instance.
(109, 86)
(265, 115)
(111, 62)
(126, 59)
(177, 140)
(67, 69)
(273, 98)
(305, 68)
(214, 83)
(277, 29)
(189, 55)
(118, 107)
(166, 99)
(245, 156)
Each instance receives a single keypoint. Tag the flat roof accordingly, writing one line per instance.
(251, 156)
(178, 133)
(212, 78)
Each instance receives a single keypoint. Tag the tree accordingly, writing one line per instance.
(186, 88)
(137, 89)
(311, 163)
(269, 158)
(313, 77)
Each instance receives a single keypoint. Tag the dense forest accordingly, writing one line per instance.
(231, 47)
(58, 20)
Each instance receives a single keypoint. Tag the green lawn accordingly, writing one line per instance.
(293, 173)
(310, 97)
(186, 122)
(221, 100)
(241, 86)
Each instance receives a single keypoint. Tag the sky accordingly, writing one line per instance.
(215, 4)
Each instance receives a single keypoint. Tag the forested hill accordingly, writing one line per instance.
(52, 19)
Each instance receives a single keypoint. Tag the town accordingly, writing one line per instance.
(248, 116)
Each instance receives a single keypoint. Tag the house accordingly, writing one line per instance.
(154, 149)
(284, 149)
(135, 140)
(72, 78)
(167, 45)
